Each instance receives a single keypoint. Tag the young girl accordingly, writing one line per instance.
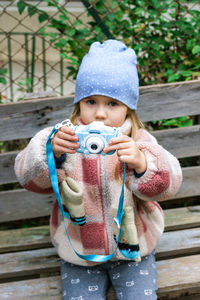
(90, 185)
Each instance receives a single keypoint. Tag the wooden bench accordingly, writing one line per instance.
(29, 266)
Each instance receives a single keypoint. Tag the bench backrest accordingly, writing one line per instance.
(23, 119)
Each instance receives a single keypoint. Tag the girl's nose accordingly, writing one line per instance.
(100, 113)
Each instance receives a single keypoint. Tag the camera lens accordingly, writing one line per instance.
(94, 147)
(95, 144)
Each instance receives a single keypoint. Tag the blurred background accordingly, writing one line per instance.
(43, 42)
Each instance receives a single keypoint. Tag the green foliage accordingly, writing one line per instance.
(3, 80)
(25, 86)
(172, 123)
(164, 34)
(3, 73)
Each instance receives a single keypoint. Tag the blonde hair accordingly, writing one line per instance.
(136, 123)
(75, 113)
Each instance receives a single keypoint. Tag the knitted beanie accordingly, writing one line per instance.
(109, 69)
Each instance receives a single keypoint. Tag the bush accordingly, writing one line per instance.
(164, 34)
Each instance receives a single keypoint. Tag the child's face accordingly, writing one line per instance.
(101, 108)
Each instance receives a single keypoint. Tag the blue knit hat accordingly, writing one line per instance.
(109, 69)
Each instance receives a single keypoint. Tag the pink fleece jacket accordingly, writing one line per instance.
(96, 176)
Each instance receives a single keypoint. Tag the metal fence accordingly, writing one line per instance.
(34, 70)
(43, 42)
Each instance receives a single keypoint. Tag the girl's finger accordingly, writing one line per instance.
(66, 144)
(123, 152)
(61, 150)
(117, 146)
(119, 139)
(67, 130)
(66, 136)
(125, 158)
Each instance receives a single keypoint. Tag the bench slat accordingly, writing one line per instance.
(171, 244)
(181, 142)
(7, 161)
(24, 263)
(17, 264)
(40, 289)
(177, 243)
(47, 289)
(182, 218)
(176, 99)
(176, 277)
(21, 204)
(189, 187)
(179, 276)
(25, 239)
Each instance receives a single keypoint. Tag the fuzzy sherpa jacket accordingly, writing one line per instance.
(99, 181)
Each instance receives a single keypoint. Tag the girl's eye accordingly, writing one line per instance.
(113, 103)
(90, 101)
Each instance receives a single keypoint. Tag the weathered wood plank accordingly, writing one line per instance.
(176, 99)
(25, 239)
(24, 263)
(171, 244)
(29, 117)
(181, 142)
(191, 183)
(177, 243)
(191, 297)
(48, 288)
(40, 289)
(176, 278)
(7, 161)
(179, 276)
(182, 218)
(22, 204)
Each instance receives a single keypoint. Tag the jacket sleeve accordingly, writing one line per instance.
(31, 166)
(163, 176)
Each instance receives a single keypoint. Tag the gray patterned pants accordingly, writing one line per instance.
(131, 280)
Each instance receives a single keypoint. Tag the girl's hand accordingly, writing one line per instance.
(64, 141)
(128, 152)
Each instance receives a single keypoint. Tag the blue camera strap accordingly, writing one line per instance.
(55, 186)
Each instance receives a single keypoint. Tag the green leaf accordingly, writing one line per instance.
(32, 11)
(3, 71)
(21, 6)
(77, 22)
(3, 80)
(139, 11)
(187, 123)
(173, 77)
(50, 3)
(63, 42)
(196, 49)
(72, 71)
(71, 32)
(43, 17)
(63, 18)
(53, 34)
(113, 3)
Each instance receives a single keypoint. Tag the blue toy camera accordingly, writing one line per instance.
(94, 137)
